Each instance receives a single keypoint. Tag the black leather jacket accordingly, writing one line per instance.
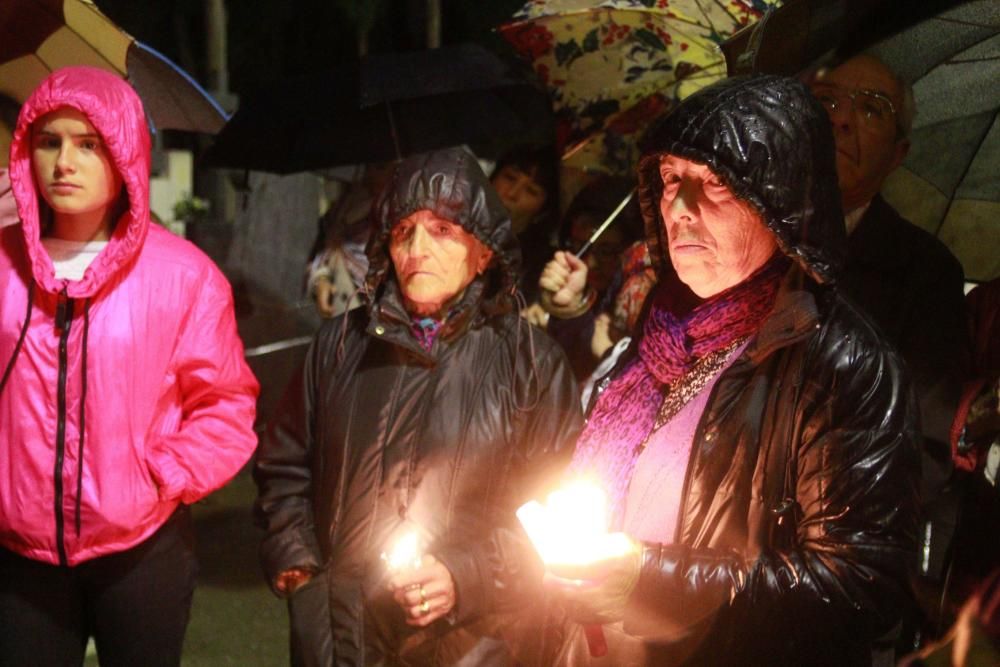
(798, 515)
(798, 521)
(382, 434)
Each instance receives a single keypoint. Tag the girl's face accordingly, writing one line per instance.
(520, 193)
(73, 170)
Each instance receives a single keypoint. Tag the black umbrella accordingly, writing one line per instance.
(389, 106)
(948, 183)
(950, 52)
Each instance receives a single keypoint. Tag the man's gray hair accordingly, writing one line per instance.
(905, 115)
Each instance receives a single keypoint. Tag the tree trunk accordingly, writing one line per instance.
(433, 24)
(215, 29)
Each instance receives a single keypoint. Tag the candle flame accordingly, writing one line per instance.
(571, 528)
(405, 553)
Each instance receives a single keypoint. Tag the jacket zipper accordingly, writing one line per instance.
(64, 318)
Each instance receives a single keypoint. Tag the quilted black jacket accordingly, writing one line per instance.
(381, 434)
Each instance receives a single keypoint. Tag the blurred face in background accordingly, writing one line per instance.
(435, 260)
(863, 100)
(715, 240)
(521, 194)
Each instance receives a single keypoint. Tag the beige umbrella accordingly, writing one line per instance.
(40, 36)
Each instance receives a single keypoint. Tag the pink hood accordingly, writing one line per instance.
(126, 392)
(115, 109)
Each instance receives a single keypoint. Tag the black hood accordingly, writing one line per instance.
(770, 141)
(451, 184)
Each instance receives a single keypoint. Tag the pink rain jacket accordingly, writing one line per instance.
(129, 393)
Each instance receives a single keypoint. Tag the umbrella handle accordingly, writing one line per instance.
(604, 225)
(596, 642)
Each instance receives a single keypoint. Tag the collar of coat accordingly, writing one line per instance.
(881, 239)
(794, 316)
(389, 320)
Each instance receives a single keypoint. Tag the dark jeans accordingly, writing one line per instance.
(135, 604)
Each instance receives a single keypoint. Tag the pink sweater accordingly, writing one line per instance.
(654, 493)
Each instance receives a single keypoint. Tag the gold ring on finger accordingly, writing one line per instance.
(423, 594)
(425, 608)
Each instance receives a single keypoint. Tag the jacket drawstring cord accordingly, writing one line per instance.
(533, 379)
(361, 289)
(83, 414)
(20, 337)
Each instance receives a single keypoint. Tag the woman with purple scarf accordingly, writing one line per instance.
(756, 441)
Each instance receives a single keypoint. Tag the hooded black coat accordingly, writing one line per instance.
(381, 434)
(799, 510)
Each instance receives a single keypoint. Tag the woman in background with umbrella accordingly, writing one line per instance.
(527, 180)
(124, 395)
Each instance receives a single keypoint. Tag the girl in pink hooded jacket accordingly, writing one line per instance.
(124, 395)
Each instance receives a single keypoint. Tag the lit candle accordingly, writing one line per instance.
(571, 530)
(405, 553)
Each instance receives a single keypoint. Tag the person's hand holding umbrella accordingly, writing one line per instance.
(564, 284)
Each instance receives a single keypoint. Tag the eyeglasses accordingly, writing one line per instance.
(873, 107)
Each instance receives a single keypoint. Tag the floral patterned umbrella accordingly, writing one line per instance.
(612, 66)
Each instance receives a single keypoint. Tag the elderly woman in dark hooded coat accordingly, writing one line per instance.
(436, 410)
(757, 440)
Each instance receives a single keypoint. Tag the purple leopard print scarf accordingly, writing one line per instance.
(626, 411)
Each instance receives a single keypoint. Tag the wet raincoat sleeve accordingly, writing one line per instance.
(218, 394)
(502, 572)
(843, 539)
(283, 473)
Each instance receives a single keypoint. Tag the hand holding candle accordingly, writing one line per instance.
(570, 531)
(594, 571)
(405, 553)
(420, 584)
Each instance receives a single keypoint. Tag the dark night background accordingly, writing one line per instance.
(235, 619)
(272, 39)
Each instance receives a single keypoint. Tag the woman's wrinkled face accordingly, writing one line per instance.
(72, 166)
(521, 194)
(715, 240)
(435, 260)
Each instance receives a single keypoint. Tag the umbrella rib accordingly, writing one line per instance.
(971, 24)
(966, 61)
(721, 6)
(965, 172)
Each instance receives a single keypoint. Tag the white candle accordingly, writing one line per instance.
(571, 528)
(405, 553)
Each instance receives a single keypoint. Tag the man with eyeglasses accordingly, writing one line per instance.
(902, 276)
